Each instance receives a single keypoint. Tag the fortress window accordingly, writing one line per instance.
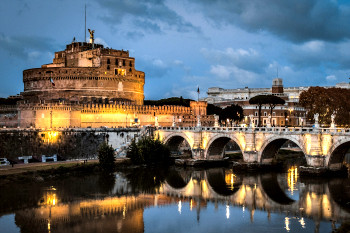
(130, 64)
(116, 62)
(130, 69)
(108, 67)
(121, 72)
(108, 61)
(123, 62)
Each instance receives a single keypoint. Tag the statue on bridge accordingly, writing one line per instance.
(316, 120)
(333, 120)
(251, 124)
(268, 123)
(174, 123)
(216, 123)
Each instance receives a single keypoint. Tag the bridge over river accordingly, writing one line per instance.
(322, 147)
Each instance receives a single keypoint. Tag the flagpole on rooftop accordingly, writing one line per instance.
(198, 94)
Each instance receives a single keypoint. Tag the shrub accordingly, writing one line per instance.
(148, 151)
(106, 157)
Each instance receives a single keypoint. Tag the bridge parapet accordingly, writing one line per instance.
(260, 144)
(340, 131)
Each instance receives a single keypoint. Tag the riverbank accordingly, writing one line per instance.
(38, 172)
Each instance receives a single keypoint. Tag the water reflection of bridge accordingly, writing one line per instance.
(261, 192)
(122, 211)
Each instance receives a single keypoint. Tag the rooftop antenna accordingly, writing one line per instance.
(85, 24)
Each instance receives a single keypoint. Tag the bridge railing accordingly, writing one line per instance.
(261, 129)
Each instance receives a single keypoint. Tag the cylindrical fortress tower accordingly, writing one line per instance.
(85, 73)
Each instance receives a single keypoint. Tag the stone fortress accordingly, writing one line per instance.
(88, 85)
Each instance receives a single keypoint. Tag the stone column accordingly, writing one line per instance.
(315, 157)
(250, 154)
(197, 150)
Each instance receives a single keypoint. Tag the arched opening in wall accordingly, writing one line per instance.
(283, 151)
(179, 147)
(224, 147)
(223, 181)
(340, 157)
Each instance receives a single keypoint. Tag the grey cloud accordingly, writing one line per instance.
(153, 68)
(24, 47)
(319, 54)
(297, 20)
(149, 15)
(249, 60)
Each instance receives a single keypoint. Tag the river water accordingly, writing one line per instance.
(177, 200)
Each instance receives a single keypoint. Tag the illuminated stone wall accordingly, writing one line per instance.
(67, 144)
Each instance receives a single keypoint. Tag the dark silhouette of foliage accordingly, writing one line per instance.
(273, 100)
(148, 151)
(212, 109)
(325, 102)
(106, 157)
(169, 101)
(6, 101)
(261, 100)
(152, 178)
(232, 113)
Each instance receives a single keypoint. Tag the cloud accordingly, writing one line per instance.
(99, 40)
(249, 59)
(26, 47)
(153, 67)
(234, 75)
(319, 54)
(298, 21)
(331, 78)
(147, 16)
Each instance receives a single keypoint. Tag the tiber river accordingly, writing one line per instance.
(177, 200)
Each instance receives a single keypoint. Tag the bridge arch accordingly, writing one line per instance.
(272, 145)
(216, 146)
(173, 141)
(337, 153)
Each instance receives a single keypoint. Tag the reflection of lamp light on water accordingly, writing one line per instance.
(292, 178)
(179, 207)
(227, 211)
(286, 222)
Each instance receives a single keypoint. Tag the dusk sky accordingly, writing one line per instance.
(181, 44)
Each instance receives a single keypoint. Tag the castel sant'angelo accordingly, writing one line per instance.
(88, 85)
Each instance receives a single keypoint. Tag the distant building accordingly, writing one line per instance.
(291, 113)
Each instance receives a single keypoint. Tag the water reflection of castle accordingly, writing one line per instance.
(219, 186)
